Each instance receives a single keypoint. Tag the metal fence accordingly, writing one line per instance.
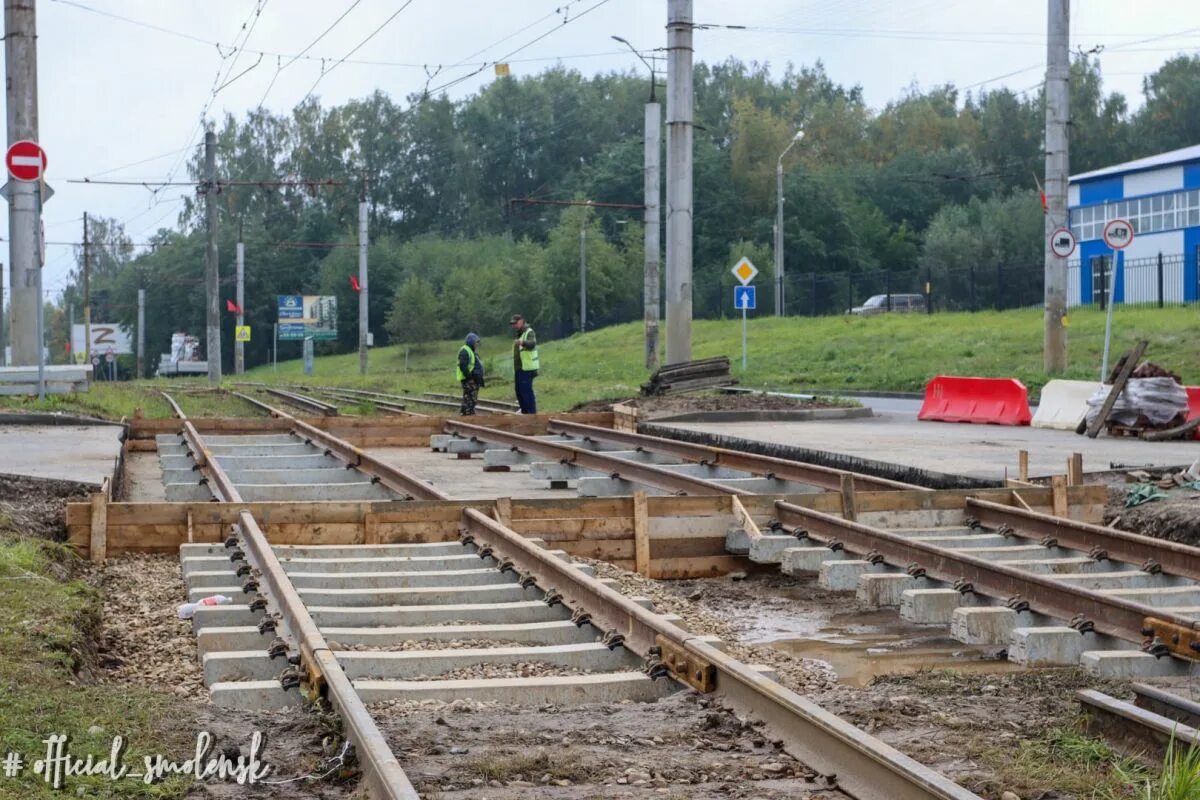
(1148, 281)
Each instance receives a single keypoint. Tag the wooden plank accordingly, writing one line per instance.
(702, 567)
(98, 538)
(594, 528)
(1020, 501)
(687, 527)
(572, 508)
(687, 548)
(141, 445)
(1131, 360)
(1058, 485)
(602, 551)
(1023, 465)
(370, 528)
(848, 508)
(743, 519)
(503, 511)
(641, 534)
(1075, 469)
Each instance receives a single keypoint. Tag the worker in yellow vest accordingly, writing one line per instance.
(470, 374)
(525, 363)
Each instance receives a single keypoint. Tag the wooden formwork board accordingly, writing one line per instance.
(683, 536)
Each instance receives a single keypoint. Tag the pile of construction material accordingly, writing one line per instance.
(689, 376)
(1141, 399)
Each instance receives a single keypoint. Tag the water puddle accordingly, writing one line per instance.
(860, 656)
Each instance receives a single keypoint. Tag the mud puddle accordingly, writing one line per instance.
(859, 658)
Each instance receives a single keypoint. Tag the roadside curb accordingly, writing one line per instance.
(779, 415)
(48, 418)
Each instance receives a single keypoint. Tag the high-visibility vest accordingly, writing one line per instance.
(529, 358)
(458, 365)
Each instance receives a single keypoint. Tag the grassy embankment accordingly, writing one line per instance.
(47, 620)
(898, 352)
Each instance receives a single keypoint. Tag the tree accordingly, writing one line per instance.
(415, 316)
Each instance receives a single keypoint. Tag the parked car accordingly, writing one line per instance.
(901, 303)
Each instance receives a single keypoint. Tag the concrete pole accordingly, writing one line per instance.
(1057, 171)
(141, 342)
(3, 360)
(364, 323)
(652, 190)
(679, 181)
(212, 345)
(24, 219)
(87, 293)
(239, 347)
(583, 276)
(779, 237)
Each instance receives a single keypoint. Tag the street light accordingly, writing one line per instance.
(649, 66)
(779, 305)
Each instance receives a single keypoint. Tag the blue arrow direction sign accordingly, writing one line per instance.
(744, 298)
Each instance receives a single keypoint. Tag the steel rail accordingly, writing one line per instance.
(503, 405)
(1172, 557)
(812, 474)
(858, 763)
(383, 405)
(384, 776)
(303, 401)
(407, 398)
(395, 478)
(1107, 614)
(590, 459)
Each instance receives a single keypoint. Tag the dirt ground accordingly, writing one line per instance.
(34, 507)
(715, 401)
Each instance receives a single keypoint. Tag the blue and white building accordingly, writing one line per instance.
(1160, 196)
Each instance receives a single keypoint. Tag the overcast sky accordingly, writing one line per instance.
(113, 92)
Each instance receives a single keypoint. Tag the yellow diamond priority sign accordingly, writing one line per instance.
(744, 271)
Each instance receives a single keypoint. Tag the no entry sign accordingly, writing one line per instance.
(26, 160)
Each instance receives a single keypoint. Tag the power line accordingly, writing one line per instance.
(302, 53)
(354, 50)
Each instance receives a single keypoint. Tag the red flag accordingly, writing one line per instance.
(232, 307)
(354, 284)
(1045, 208)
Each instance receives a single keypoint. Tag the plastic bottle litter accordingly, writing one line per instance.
(188, 610)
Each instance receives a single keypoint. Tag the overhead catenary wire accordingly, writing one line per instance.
(354, 50)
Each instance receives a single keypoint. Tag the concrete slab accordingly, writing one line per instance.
(1131, 665)
(81, 453)
(980, 451)
(464, 479)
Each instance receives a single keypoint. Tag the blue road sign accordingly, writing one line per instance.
(744, 298)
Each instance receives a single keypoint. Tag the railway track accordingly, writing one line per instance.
(1156, 719)
(1051, 590)
(354, 625)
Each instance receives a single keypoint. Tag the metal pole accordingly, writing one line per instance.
(141, 342)
(239, 347)
(679, 181)
(41, 303)
(363, 318)
(3, 360)
(652, 188)
(71, 332)
(87, 293)
(583, 276)
(212, 345)
(1057, 168)
(743, 336)
(275, 350)
(24, 220)
(1112, 275)
(779, 236)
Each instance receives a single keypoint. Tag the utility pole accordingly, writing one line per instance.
(780, 307)
(141, 342)
(679, 181)
(1057, 172)
(583, 275)
(212, 344)
(363, 320)
(87, 293)
(3, 360)
(24, 198)
(651, 227)
(239, 347)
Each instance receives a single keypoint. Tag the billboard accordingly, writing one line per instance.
(106, 338)
(304, 316)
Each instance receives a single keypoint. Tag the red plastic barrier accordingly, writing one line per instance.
(996, 401)
(1193, 406)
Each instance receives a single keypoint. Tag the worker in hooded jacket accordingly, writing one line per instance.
(470, 374)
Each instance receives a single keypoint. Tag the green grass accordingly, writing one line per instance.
(1178, 780)
(46, 621)
(891, 352)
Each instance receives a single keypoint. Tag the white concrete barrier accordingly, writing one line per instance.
(1063, 404)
